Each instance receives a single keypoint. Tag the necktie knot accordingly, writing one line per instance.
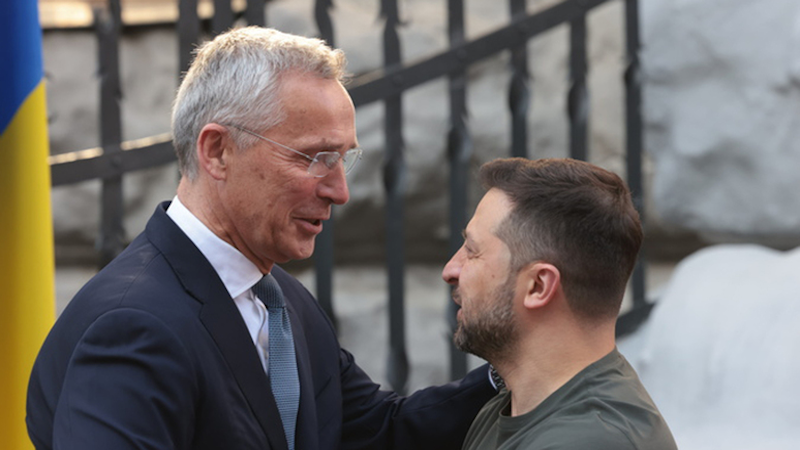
(269, 291)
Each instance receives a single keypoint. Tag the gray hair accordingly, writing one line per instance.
(236, 79)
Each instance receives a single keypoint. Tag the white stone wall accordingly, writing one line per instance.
(722, 97)
(148, 70)
(720, 108)
(149, 65)
(719, 353)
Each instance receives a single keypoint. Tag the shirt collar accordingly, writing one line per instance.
(237, 273)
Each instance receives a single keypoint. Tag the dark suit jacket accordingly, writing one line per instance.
(153, 353)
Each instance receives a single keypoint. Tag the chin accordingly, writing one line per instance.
(304, 252)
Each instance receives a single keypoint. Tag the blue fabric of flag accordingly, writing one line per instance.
(21, 67)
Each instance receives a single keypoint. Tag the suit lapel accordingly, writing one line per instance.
(222, 320)
(238, 350)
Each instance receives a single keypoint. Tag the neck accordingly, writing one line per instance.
(548, 359)
(201, 203)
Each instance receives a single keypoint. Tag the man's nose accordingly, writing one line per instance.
(452, 270)
(333, 186)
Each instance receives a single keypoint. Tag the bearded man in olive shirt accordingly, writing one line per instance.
(540, 280)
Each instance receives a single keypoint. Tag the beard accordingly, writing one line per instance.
(490, 335)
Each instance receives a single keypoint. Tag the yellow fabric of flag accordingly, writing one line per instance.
(27, 305)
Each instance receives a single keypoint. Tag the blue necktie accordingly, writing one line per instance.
(282, 365)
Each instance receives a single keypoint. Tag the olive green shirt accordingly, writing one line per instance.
(604, 407)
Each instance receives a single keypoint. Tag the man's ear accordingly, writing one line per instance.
(214, 146)
(542, 283)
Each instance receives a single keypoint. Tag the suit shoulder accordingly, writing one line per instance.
(139, 274)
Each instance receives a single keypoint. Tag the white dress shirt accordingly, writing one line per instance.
(237, 273)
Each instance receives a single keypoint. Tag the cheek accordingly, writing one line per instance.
(475, 277)
(295, 191)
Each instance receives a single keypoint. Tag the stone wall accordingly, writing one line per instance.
(722, 107)
(700, 88)
(718, 364)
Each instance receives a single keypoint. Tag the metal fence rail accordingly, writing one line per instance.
(386, 84)
(459, 153)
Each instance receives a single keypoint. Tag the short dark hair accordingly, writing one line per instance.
(576, 216)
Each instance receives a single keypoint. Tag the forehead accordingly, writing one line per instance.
(318, 111)
(491, 211)
(303, 93)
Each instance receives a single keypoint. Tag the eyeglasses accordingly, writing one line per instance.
(323, 162)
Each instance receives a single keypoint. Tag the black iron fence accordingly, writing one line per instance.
(387, 84)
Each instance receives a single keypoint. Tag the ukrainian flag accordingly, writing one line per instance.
(27, 307)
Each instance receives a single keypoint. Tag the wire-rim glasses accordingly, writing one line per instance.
(322, 163)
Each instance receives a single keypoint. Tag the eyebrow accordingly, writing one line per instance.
(467, 237)
(327, 146)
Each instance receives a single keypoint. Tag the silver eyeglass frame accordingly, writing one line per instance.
(354, 154)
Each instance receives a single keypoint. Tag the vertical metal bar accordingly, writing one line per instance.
(254, 14)
(188, 30)
(633, 118)
(578, 101)
(223, 17)
(459, 152)
(394, 173)
(108, 24)
(323, 254)
(188, 33)
(323, 18)
(519, 92)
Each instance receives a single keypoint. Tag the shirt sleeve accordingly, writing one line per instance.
(436, 418)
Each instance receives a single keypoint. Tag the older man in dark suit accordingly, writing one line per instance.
(193, 338)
